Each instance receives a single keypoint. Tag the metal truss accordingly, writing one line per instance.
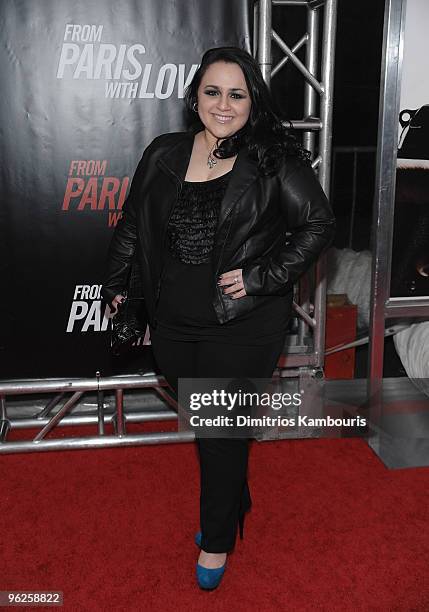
(306, 348)
(66, 393)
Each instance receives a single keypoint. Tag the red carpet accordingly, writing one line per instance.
(331, 529)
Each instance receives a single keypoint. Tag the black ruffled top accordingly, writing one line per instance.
(185, 308)
(193, 222)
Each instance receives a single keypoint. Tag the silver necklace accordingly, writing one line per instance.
(211, 161)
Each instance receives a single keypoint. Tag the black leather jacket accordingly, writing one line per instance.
(255, 216)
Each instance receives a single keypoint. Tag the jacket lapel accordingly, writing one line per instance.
(175, 162)
(244, 173)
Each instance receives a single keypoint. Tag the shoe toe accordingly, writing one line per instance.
(209, 578)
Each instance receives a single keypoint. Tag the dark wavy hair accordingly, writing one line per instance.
(264, 135)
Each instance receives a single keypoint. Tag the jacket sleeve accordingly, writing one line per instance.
(124, 239)
(309, 218)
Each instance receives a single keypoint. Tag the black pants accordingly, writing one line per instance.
(223, 462)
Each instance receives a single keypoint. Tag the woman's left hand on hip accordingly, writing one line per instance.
(233, 283)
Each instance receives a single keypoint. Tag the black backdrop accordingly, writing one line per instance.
(86, 85)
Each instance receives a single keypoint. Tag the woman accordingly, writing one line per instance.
(207, 214)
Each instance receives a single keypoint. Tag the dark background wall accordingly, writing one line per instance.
(356, 95)
(357, 71)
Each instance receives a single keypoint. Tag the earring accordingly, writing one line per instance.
(195, 107)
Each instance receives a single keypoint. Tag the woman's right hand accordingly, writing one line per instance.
(118, 299)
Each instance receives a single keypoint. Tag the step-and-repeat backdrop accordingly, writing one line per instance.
(86, 85)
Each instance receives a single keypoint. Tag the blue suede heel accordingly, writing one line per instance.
(209, 579)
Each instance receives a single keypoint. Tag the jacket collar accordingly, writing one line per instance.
(175, 162)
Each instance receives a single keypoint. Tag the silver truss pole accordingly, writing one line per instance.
(312, 123)
(297, 62)
(165, 437)
(290, 2)
(58, 416)
(129, 381)
(310, 96)
(309, 143)
(264, 46)
(383, 205)
(325, 149)
(297, 46)
(100, 406)
(326, 106)
(72, 420)
(4, 421)
(255, 29)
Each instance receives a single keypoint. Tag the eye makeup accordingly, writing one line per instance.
(234, 93)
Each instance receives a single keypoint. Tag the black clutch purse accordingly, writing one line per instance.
(130, 321)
